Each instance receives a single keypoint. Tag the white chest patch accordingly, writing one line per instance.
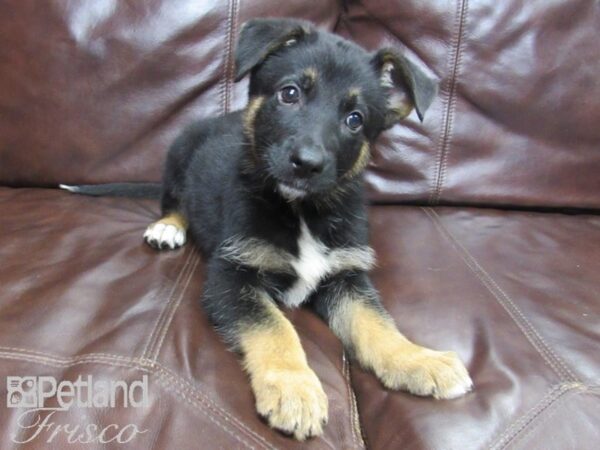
(314, 262)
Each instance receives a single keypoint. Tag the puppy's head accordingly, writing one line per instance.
(317, 102)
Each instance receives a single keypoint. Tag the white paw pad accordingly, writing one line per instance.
(164, 236)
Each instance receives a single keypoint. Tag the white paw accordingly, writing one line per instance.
(164, 236)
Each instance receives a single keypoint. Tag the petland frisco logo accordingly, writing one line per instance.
(34, 392)
(44, 396)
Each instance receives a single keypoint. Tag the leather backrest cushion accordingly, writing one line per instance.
(95, 91)
(517, 118)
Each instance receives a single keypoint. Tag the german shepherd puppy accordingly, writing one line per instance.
(273, 195)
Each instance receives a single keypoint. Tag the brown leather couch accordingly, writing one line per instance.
(485, 221)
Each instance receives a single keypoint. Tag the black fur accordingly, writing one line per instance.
(260, 172)
(224, 178)
(222, 175)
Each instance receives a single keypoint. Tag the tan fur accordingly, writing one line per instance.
(386, 73)
(311, 75)
(249, 116)
(397, 362)
(175, 219)
(288, 393)
(399, 103)
(266, 257)
(353, 93)
(361, 162)
(352, 258)
(257, 253)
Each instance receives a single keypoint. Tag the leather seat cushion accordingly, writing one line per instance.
(514, 293)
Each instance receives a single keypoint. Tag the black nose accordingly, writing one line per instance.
(307, 161)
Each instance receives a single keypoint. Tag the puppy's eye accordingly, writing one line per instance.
(289, 95)
(354, 121)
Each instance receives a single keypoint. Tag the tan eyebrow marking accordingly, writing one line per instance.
(354, 93)
(310, 74)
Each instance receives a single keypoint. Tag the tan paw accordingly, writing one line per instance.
(292, 401)
(427, 373)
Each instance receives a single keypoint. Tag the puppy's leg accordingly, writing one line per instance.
(170, 231)
(287, 392)
(353, 310)
(167, 233)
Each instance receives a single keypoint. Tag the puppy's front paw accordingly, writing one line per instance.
(292, 401)
(426, 372)
(164, 236)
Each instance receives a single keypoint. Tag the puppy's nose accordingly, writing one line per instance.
(307, 161)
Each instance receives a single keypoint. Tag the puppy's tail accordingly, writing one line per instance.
(132, 190)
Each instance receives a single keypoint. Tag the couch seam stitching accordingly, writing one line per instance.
(67, 362)
(173, 308)
(514, 427)
(232, 62)
(198, 407)
(225, 86)
(550, 398)
(346, 381)
(539, 419)
(187, 386)
(58, 357)
(355, 425)
(449, 103)
(159, 320)
(532, 335)
(149, 341)
(223, 81)
(134, 363)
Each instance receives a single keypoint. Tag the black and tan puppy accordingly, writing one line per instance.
(273, 196)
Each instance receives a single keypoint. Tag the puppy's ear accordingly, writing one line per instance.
(261, 37)
(407, 86)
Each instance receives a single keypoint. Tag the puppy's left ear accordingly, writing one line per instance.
(261, 37)
(407, 86)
